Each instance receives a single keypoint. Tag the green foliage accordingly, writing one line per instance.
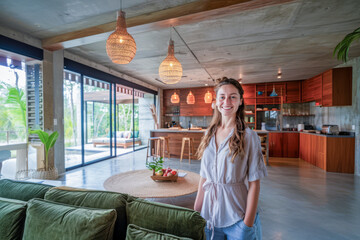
(342, 49)
(12, 112)
(48, 141)
(16, 104)
(156, 163)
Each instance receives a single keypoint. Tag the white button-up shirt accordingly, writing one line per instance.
(226, 186)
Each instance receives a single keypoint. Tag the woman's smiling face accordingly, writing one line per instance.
(228, 100)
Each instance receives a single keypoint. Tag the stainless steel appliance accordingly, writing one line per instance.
(330, 129)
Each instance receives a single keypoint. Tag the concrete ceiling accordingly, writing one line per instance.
(252, 41)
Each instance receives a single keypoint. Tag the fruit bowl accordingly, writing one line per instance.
(162, 178)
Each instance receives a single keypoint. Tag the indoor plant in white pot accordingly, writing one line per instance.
(48, 172)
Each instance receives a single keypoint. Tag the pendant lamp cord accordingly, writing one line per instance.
(170, 31)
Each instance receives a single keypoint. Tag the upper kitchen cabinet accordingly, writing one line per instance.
(337, 87)
(312, 89)
(249, 94)
(316, 87)
(199, 108)
(293, 92)
(264, 90)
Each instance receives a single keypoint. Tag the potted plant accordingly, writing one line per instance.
(48, 141)
(155, 165)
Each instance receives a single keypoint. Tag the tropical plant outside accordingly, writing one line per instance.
(97, 115)
(13, 102)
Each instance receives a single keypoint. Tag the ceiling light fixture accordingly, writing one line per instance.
(121, 46)
(170, 70)
(273, 94)
(190, 99)
(175, 98)
(279, 75)
(208, 97)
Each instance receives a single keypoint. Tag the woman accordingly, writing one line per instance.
(231, 167)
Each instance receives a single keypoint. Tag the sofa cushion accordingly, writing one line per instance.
(138, 233)
(136, 135)
(93, 199)
(12, 218)
(50, 220)
(165, 218)
(127, 134)
(119, 134)
(22, 190)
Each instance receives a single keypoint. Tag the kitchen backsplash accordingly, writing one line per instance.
(203, 122)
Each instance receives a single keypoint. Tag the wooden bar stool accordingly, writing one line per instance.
(156, 141)
(191, 147)
(164, 145)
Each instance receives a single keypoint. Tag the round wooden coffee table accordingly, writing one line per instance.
(139, 184)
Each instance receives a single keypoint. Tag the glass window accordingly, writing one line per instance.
(96, 119)
(21, 108)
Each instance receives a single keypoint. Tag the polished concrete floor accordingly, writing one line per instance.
(297, 200)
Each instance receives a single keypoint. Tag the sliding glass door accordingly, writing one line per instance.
(103, 119)
(72, 119)
(97, 109)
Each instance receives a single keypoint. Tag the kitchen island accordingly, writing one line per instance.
(176, 135)
(175, 138)
(332, 153)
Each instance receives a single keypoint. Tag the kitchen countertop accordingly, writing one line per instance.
(257, 131)
(178, 130)
(317, 134)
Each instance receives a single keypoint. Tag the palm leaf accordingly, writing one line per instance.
(16, 104)
(342, 49)
(42, 135)
(51, 140)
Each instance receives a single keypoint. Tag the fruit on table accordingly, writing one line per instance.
(166, 172)
(159, 173)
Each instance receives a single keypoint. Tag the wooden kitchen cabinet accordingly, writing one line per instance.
(275, 144)
(284, 145)
(249, 94)
(293, 92)
(306, 94)
(312, 89)
(337, 87)
(316, 89)
(175, 140)
(332, 154)
(291, 145)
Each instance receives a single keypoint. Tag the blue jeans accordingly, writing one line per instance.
(238, 231)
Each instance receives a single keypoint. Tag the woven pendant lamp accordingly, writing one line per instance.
(121, 46)
(175, 98)
(170, 70)
(190, 99)
(208, 97)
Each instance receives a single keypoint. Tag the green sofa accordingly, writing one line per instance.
(32, 211)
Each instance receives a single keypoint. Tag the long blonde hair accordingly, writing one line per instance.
(236, 142)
